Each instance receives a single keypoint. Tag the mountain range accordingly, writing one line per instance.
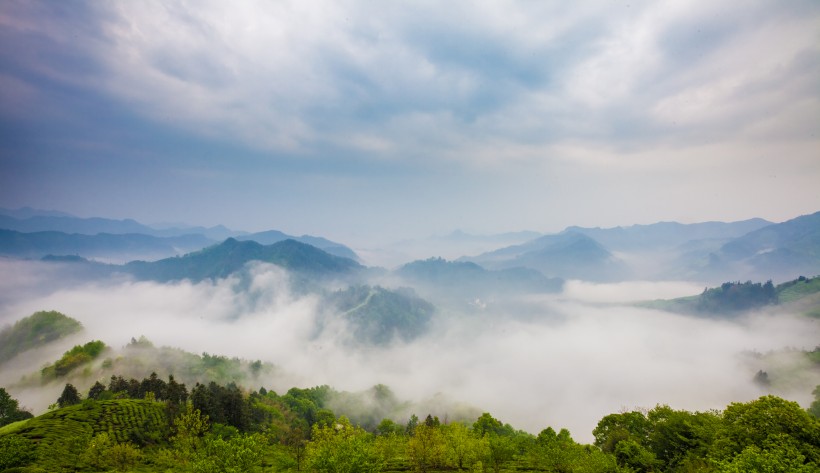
(32, 233)
(711, 252)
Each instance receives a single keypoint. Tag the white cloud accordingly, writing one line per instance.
(573, 360)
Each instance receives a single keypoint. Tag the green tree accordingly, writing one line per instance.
(768, 422)
(630, 454)
(189, 428)
(678, 436)
(462, 448)
(617, 427)
(814, 409)
(342, 448)
(69, 397)
(239, 454)
(10, 409)
(426, 448)
(775, 457)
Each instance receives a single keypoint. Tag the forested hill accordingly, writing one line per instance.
(221, 260)
(731, 298)
(34, 331)
(166, 426)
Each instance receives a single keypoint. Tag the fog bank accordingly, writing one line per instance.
(587, 356)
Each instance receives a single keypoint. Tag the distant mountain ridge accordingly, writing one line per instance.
(668, 234)
(449, 276)
(50, 232)
(101, 245)
(783, 251)
(224, 259)
(567, 254)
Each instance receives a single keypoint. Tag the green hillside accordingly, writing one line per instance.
(802, 294)
(34, 331)
(379, 315)
(221, 260)
(58, 439)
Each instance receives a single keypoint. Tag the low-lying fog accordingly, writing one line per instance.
(574, 358)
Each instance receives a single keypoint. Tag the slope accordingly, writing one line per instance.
(221, 260)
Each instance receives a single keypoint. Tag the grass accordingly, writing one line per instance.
(13, 427)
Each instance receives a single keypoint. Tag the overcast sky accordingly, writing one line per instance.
(368, 120)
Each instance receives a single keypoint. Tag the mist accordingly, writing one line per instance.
(577, 356)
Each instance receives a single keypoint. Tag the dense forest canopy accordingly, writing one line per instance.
(158, 425)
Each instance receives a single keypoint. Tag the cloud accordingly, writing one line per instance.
(483, 105)
(568, 362)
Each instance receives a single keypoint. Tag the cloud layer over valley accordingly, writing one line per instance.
(562, 360)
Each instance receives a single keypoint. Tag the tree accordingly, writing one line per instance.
(617, 427)
(342, 448)
(9, 409)
(69, 397)
(462, 448)
(814, 409)
(96, 390)
(189, 428)
(426, 448)
(768, 423)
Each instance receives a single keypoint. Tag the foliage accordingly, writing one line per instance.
(767, 435)
(797, 289)
(426, 449)
(77, 356)
(34, 331)
(15, 451)
(69, 397)
(736, 296)
(767, 422)
(10, 409)
(342, 448)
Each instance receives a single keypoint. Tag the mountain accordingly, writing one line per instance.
(28, 212)
(802, 295)
(378, 315)
(120, 247)
(36, 330)
(221, 260)
(138, 241)
(275, 236)
(465, 278)
(780, 251)
(567, 254)
(69, 224)
(668, 234)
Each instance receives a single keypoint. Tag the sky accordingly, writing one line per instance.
(366, 121)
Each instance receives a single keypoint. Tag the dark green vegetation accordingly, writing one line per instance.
(228, 429)
(35, 331)
(735, 297)
(379, 315)
(72, 359)
(140, 357)
(224, 259)
(10, 409)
